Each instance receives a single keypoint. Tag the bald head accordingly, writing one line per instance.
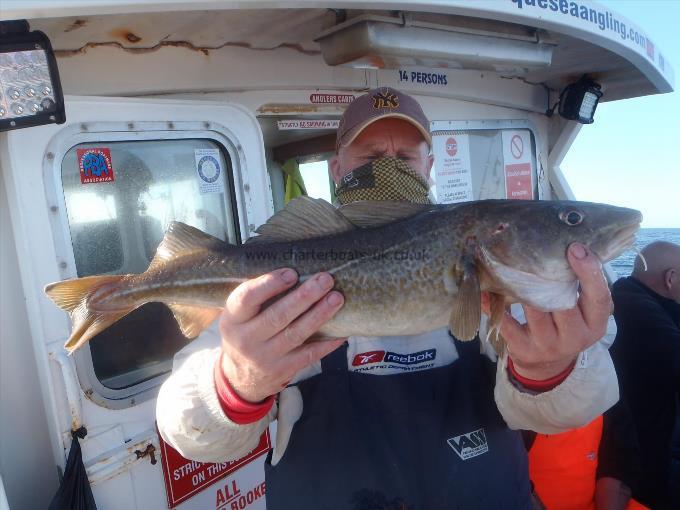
(663, 269)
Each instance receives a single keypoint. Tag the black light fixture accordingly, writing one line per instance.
(578, 101)
(30, 90)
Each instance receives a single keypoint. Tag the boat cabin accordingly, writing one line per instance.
(213, 113)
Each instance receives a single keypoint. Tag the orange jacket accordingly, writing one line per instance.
(563, 468)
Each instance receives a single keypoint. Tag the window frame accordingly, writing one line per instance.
(107, 132)
(487, 125)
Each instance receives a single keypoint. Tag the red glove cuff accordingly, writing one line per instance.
(540, 386)
(238, 410)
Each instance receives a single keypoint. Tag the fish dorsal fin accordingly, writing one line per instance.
(182, 239)
(466, 312)
(192, 320)
(373, 213)
(303, 218)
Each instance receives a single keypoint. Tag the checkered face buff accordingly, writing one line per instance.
(385, 178)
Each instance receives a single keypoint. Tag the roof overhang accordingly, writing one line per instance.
(585, 37)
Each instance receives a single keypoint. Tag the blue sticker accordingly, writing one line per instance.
(209, 172)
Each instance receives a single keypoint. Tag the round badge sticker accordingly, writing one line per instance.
(209, 169)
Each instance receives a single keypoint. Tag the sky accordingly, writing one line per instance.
(630, 155)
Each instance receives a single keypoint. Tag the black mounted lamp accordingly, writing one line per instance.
(578, 101)
(30, 90)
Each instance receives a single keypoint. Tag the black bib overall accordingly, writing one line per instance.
(424, 440)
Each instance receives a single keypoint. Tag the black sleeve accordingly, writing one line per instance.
(644, 320)
(619, 453)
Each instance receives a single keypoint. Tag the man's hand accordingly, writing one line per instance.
(263, 347)
(550, 342)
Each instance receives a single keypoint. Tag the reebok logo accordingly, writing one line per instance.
(469, 445)
(368, 357)
(411, 359)
(392, 357)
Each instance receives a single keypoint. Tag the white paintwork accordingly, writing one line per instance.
(4, 505)
(25, 445)
(108, 449)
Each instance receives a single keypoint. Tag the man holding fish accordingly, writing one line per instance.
(353, 433)
(356, 329)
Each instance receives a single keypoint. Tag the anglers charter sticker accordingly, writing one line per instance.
(95, 165)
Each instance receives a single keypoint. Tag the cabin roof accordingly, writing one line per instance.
(592, 39)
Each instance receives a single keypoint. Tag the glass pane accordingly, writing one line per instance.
(317, 180)
(120, 198)
(486, 160)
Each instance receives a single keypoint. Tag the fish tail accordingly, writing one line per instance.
(73, 295)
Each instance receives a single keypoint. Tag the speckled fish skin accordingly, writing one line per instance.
(404, 277)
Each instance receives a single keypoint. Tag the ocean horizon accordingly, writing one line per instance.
(623, 265)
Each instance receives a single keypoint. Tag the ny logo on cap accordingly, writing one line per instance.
(385, 100)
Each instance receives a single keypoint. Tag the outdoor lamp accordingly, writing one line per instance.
(30, 91)
(579, 100)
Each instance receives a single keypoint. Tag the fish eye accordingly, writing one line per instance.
(572, 218)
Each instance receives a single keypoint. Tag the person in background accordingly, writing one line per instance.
(593, 467)
(646, 354)
(405, 422)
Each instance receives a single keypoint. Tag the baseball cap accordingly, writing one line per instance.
(377, 104)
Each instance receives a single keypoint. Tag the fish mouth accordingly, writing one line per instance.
(623, 240)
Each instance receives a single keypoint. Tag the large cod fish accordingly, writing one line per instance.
(403, 268)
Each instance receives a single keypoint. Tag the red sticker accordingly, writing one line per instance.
(185, 478)
(95, 165)
(518, 182)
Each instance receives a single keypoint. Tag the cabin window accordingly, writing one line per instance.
(120, 198)
(480, 163)
(317, 179)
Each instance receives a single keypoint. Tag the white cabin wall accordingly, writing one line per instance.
(110, 71)
(26, 461)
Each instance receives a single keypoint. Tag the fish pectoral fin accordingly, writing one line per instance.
(369, 213)
(497, 307)
(466, 312)
(303, 218)
(182, 239)
(192, 320)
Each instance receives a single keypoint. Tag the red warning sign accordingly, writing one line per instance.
(518, 182)
(185, 478)
(517, 146)
(95, 165)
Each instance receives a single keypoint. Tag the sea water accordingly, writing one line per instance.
(623, 265)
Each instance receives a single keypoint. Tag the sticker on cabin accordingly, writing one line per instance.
(518, 164)
(226, 485)
(95, 165)
(452, 169)
(331, 98)
(285, 125)
(209, 171)
(423, 76)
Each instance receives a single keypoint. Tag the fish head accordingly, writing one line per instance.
(523, 246)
